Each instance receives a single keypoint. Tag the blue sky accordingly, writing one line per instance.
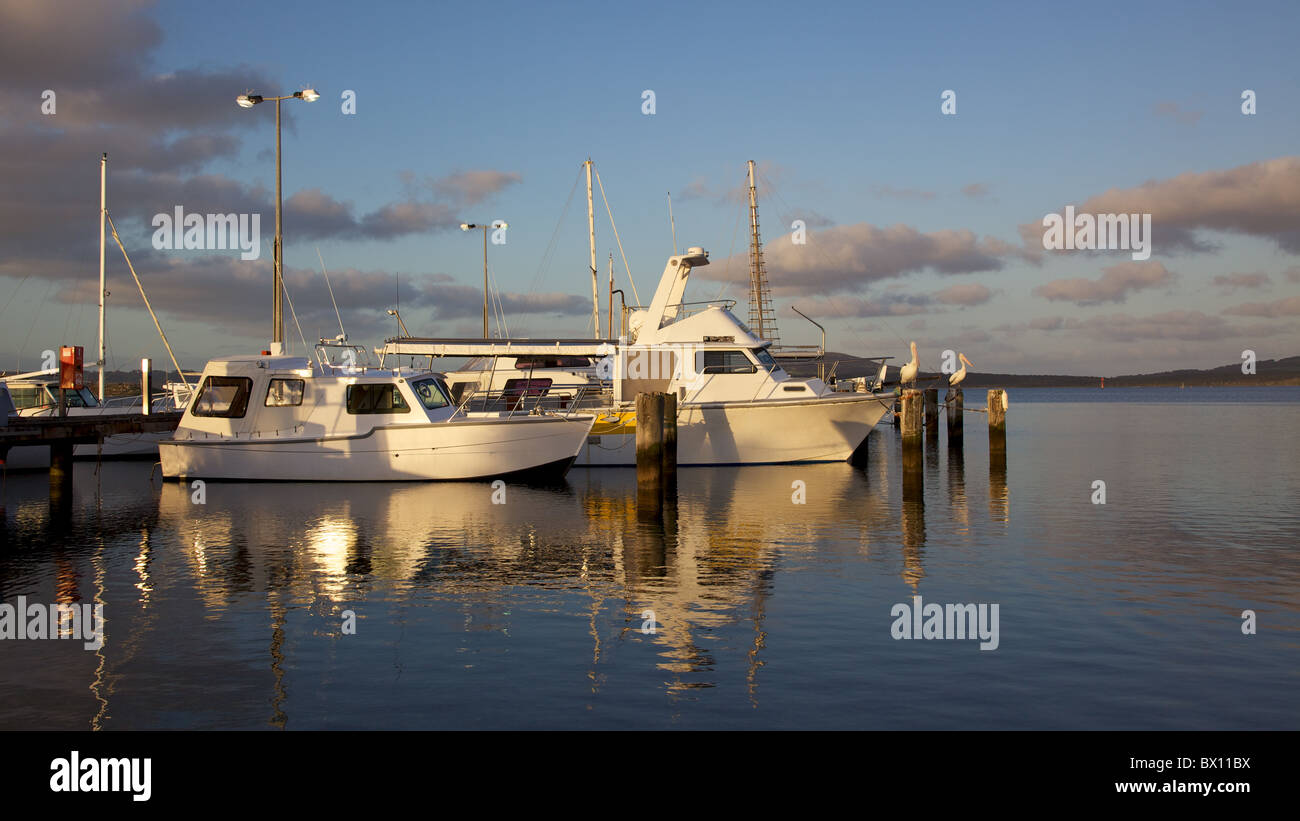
(838, 103)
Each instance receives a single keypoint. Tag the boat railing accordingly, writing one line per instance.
(535, 396)
(685, 309)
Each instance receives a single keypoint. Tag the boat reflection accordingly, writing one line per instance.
(258, 561)
(708, 563)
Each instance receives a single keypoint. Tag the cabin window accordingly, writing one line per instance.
(765, 359)
(223, 396)
(725, 362)
(430, 393)
(282, 393)
(376, 398)
(27, 396)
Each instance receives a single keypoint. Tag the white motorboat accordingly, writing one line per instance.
(736, 404)
(290, 419)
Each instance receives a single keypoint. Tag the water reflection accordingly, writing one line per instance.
(229, 613)
(957, 488)
(999, 506)
(914, 512)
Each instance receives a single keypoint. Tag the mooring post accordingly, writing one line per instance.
(670, 439)
(956, 409)
(998, 416)
(146, 383)
(649, 454)
(911, 417)
(931, 411)
(912, 439)
(997, 409)
(998, 507)
(60, 472)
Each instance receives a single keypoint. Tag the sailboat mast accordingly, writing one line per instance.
(671, 222)
(103, 209)
(761, 319)
(591, 231)
(609, 317)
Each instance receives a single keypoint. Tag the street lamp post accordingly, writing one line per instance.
(470, 226)
(277, 306)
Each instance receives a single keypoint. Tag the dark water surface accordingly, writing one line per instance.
(769, 614)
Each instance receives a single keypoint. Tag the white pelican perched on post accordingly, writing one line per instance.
(907, 373)
(956, 378)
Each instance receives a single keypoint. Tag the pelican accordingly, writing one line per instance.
(908, 372)
(956, 378)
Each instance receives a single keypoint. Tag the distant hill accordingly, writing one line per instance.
(1267, 372)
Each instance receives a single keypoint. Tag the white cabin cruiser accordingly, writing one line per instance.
(286, 418)
(736, 404)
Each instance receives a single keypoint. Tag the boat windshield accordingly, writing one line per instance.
(765, 359)
(45, 395)
(431, 394)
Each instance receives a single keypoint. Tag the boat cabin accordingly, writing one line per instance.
(284, 396)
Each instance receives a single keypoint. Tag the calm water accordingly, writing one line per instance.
(769, 614)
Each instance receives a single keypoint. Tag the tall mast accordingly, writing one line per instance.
(671, 222)
(591, 231)
(609, 317)
(762, 319)
(103, 209)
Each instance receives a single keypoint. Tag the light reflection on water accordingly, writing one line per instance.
(769, 613)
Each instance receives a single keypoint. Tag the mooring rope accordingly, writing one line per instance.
(180, 373)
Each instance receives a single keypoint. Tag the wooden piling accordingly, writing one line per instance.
(670, 438)
(913, 453)
(997, 412)
(649, 454)
(911, 417)
(956, 410)
(931, 411)
(999, 508)
(146, 384)
(61, 472)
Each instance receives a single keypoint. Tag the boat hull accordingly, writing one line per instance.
(826, 429)
(533, 447)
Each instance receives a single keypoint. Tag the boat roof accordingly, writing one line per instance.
(243, 361)
(451, 346)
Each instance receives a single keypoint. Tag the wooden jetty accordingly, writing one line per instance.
(63, 433)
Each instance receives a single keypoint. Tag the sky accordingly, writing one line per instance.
(918, 224)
